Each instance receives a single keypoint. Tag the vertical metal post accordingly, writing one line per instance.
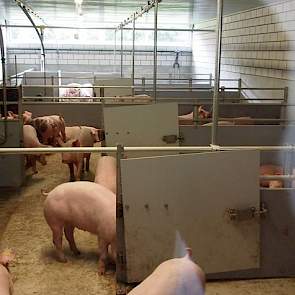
(155, 47)
(15, 69)
(121, 250)
(4, 91)
(122, 51)
(219, 22)
(115, 52)
(133, 54)
(240, 86)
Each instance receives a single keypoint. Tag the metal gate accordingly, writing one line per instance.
(211, 200)
(142, 125)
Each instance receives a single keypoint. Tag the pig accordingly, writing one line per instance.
(106, 171)
(271, 170)
(87, 136)
(31, 141)
(27, 118)
(6, 285)
(178, 276)
(74, 160)
(72, 91)
(50, 129)
(87, 206)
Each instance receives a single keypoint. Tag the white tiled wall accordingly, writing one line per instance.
(83, 60)
(259, 42)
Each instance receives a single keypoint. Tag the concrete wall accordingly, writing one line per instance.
(258, 46)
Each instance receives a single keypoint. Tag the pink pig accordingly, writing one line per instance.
(6, 285)
(50, 129)
(74, 160)
(31, 141)
(106, 172)
(178, 276)
(87, 206)
(87, 136)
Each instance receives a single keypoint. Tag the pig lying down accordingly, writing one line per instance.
(87, 206)
(178, 276)
(6, 285)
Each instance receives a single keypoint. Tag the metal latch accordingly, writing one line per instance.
(172, 138)
(246, 214)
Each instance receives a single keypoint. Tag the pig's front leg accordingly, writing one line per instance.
(87, 162)
(79, 170)
(72, 174)
(69, 233)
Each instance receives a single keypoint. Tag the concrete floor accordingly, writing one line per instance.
(253, 287)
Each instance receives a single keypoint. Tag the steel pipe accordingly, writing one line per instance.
(277, 177)
(219, 21)
(107, 28)
(121, 52)
(4, 90)
(144, 149)
(133, 54)
(156, 6)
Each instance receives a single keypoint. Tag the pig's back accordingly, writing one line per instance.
(85, 203)
(30, 136)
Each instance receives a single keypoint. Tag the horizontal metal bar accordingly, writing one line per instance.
(279, 177)
(67, 86)
(252, 88)
(143, 149)
(107, 28)
(246, 119)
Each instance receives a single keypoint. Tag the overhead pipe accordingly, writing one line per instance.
(219, 23)
(4, 89)
(110, 28)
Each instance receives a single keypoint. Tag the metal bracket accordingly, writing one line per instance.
(172, 138)
(246, 214)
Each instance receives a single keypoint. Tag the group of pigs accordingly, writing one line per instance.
(52, 131)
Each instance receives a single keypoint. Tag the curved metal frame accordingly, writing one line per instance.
(40, 36)
(4, 97)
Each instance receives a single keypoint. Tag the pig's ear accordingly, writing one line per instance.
(76, 143)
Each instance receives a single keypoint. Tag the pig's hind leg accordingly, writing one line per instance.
(69, 233)
(103, 248)
(57, 232)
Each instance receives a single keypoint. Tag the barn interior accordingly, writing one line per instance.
(194, 99)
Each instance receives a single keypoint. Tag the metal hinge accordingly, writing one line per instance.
(172, 138)
(247, 214)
